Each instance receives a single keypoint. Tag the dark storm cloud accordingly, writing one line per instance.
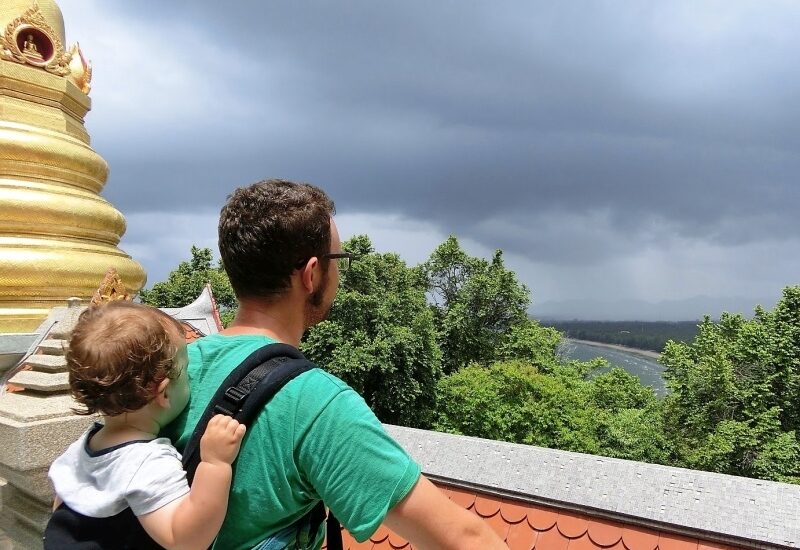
(563, 131)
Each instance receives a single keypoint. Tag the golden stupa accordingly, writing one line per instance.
(58, 236)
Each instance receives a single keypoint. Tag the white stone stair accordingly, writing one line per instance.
(53, 347)
(41, 381)
(47, 363)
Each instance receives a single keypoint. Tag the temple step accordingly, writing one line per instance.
(41, 381)
(30, 512)
(53, 347)
(47, 363)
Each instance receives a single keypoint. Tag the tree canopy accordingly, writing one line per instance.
(448, 344)
(733, 402)
(476, 303)
(611, 415)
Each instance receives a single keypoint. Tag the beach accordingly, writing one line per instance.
(642, 352)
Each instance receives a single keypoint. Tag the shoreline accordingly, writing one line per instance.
(635, 351)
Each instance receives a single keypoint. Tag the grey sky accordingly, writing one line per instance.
(615, 150)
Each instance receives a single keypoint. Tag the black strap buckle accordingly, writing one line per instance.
(233, 396)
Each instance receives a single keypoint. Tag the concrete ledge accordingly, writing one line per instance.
(30, 407)
(748, 512)
(53, 347)
(30, 445)
(47, 363)
(41, 381)
(34, 484)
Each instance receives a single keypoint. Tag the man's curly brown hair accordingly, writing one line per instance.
(118, 355)
(265, 229)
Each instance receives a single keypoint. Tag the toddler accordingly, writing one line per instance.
(128, 362)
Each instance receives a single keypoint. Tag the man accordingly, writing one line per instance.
(317, 439)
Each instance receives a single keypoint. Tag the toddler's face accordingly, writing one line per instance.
(179, 394)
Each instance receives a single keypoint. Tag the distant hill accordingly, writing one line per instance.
(634, 334)
(668, 310)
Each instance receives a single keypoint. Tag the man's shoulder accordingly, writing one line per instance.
(312, 392)
(211, 358)
(215, 349)
(321, 378)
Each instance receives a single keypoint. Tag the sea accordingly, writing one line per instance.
(649, 371)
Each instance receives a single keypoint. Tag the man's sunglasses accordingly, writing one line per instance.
(343, 260)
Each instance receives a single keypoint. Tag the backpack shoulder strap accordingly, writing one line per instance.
(245, 392)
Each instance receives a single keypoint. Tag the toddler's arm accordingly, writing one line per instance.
(194, 520)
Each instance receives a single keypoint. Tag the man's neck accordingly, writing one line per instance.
(280, 321)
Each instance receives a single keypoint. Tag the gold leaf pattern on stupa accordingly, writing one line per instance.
(33, 22)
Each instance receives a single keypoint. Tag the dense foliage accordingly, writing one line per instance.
(448, 345)
(611, 414)
(735, 394)
(380, 337)
(476, 303)
(635, 334)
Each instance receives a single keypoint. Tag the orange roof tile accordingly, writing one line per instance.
(513, 512)
(486, 506)
(192, 333)
(605, 533)
(546, 528)
(520, 535)
(552, 540)
(542, 519)
(638, 538)
(572, 526)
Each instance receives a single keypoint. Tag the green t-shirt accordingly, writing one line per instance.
(317, 439)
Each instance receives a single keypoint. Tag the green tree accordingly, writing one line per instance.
(380, 337)
(476, 303)
(185, 283)
(532, 343)
(611, 414)
(733, 405)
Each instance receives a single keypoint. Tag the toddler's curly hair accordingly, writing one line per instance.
(118, 354)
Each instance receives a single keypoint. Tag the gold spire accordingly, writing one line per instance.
(58, 236)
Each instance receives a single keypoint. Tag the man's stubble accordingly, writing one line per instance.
(316, 310)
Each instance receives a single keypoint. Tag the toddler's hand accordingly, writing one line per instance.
(221, 440)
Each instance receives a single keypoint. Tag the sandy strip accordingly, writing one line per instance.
(635, 351)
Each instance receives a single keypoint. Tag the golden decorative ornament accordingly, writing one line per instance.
(80, 70)
(58, 236)
(30, 39)
(110, 290)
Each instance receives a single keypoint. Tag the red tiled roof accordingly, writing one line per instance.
(525, 526)
(192, 333)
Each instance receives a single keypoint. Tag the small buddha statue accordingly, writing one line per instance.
(30, 50)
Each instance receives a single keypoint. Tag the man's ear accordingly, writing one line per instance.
(162, 397)
(307, 275)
